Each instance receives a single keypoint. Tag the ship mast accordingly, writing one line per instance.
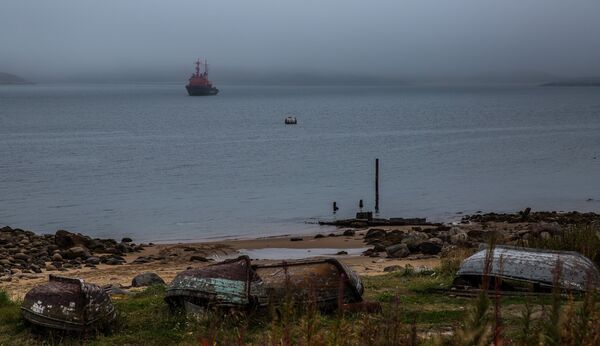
(198, 68)
(205, 68)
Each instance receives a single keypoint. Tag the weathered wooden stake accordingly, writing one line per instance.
(376, 185)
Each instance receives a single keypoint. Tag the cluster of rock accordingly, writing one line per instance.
(24, 252)
(400, 244)
(432, 241)
(526, 215)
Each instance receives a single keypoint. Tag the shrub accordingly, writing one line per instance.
(583, 238)
(4, 299)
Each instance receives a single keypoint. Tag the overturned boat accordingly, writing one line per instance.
(68, 304)
(225, 284)
(326, 282)
(239, 284)
(525, 268)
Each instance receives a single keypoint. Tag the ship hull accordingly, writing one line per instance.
(201, 90)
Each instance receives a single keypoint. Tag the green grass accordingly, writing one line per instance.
(411, 308)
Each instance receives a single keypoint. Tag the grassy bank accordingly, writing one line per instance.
(415, 311)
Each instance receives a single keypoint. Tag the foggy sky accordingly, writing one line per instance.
(414, 39)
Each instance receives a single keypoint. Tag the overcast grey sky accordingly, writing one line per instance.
(423, 38)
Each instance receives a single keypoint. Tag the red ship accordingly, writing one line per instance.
(199, 85)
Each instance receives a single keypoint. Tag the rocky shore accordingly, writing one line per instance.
(518, 229)
(26, 257)
(24, 252)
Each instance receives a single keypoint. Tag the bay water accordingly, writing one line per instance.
(149, 162)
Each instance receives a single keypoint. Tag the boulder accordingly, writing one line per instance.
(397, 251)
(114, 262)
(431, 246)
(379, 247)
(414, 239)
(126, 240)
(459, 238)
(93, 260)
(375, 233)
(370, 253)
(349, 233)
(77, 251)
(65, 239)
(35, 268)
(143, 259)
(21, 256)
(147, 279)
(394, 237)
(57, 257)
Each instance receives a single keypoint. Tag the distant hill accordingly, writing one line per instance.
(7, 78)
(580, 82)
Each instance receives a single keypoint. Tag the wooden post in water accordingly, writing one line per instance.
(376, 185)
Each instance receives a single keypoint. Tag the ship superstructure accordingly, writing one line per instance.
(198, 84)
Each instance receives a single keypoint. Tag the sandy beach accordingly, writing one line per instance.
(260, 250)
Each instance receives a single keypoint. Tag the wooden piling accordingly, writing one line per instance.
(376, 185)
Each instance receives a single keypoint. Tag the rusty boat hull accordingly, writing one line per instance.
(238, 284)
(68, 304)
(326, 282)
(532, 267)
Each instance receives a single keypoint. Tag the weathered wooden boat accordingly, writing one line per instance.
(524, 267)
(224, 284)
(68, 304)
(238, 284)
(325, 282)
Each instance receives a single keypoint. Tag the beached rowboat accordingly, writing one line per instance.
(68, 304)
(238, 284)
(521, 267)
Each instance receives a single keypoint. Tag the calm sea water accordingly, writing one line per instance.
(148, 161)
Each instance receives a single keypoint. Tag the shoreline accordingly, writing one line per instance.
(25, 258)
(177, 257)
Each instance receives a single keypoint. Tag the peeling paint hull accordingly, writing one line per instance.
(225, 284)
(68, 304)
